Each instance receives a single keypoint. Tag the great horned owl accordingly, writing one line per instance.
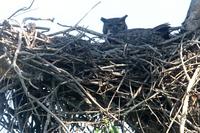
(117, 28)
(114, 25)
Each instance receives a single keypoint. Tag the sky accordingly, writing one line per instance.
(141, 13)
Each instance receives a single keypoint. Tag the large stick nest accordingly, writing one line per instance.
(77, 81)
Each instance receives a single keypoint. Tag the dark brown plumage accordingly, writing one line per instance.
(114, 25)
(116, 28)
(144, 36)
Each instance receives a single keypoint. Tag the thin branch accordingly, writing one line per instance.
(87, 13)
(48, 111)
(22, 9)
(118, 87)
(140, 103)
(182, 61)
(190, 86)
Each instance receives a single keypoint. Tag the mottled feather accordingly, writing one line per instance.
(117, 28)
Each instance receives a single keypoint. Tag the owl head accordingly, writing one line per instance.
(114, 25)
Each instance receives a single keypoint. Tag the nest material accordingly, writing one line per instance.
(52, 83)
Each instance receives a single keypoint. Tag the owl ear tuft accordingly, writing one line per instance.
(103, 19)
(124, 17)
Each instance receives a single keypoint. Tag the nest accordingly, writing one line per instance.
(75, 83)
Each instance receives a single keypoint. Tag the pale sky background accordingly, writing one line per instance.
(141, 13)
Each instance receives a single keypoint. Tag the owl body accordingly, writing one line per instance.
(117, 28)
(141, 36)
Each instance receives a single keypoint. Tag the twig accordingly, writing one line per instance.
(140, 103)
(174, 39)
(22, 9)
(182, 61)
(87, 13)
(48, 111)
(140, 124)
(75, 26)
(37, 19)
(37, 27)
(174, 119)
(190, 86)
(118, 87)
